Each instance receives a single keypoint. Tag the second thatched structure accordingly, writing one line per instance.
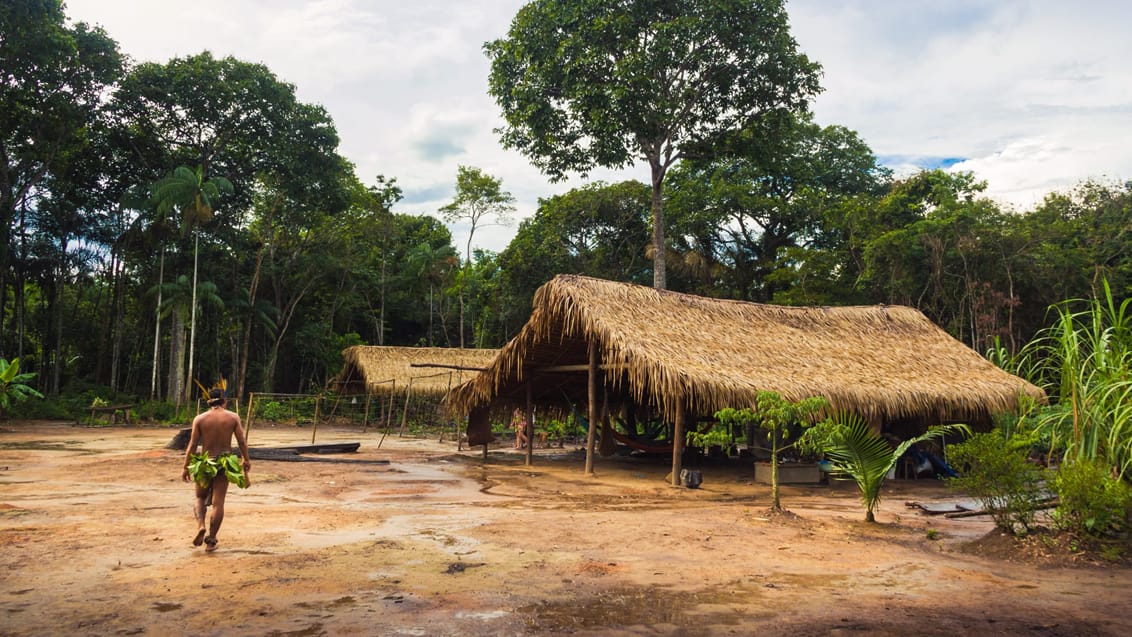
(400, 379)
(595, 342)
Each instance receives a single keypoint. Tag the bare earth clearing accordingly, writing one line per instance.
(96, 528)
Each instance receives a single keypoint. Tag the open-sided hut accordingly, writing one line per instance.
(592, 341)
(399, 379)
(430, 369)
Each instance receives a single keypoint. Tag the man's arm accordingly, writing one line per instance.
(194, 437)
(243, 442)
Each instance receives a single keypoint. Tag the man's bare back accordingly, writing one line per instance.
(214, 430)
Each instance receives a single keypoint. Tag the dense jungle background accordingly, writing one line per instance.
(132, 193)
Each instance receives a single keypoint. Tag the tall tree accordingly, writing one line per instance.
(477, 196)
(586, 83)
(765, 195)
(52, 83)
(188, 193)
(599, 230)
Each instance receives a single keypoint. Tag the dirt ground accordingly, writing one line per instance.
(410, 537)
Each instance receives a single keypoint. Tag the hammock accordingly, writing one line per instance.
(660, 446)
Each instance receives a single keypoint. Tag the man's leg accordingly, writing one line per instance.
(200, 510)
(219, 492)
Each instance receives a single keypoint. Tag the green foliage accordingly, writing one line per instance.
(1086, 366)
(562, 430)
(13, 385)
(996, 471)
(763, 198)
(586, 84)
(273, 411)
(1091, 502)
(188, 192)
(717, 436)
(477, 195)
(775, 415)
(856, 449)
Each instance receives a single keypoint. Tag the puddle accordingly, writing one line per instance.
(638, 607)
(314, 630)
(45, 445)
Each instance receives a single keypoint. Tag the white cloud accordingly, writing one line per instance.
(1033, 95)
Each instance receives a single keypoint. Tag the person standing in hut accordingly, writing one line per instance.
(519, 424)
(211, 464)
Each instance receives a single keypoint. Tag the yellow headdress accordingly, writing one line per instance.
(217, 392)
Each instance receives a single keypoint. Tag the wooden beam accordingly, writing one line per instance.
(459, 367)
(583, 367)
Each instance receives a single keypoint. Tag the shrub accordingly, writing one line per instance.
(273, 410)
(994, 470)
(1091, 503)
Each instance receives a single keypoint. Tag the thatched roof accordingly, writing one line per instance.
(660, 347)
(432, 369)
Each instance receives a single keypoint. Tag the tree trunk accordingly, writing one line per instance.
(252, 289)
(119, 312)
(192, 322)
(153, 393)
(57, 368)
(176, 358)
(659, 273)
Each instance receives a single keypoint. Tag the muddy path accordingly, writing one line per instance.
(418, 539)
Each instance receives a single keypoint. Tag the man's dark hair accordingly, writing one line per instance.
(217, 396)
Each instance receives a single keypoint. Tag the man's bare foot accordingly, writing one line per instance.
(199, 539)
(210, 544)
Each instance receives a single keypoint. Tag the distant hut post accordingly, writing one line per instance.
(593, 409)
(365, 416)
(678, 443)
(529, 424)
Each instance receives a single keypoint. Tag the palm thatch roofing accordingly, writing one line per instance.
(661, 348)
(432, 370)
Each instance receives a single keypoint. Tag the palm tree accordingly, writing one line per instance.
(433, 265)
(187, 192)
(857, 450)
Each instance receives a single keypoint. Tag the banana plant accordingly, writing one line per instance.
(13, 385)
(857, 450)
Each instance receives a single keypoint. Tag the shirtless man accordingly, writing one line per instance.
(212, 432)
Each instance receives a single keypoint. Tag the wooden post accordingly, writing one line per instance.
(593, 410)
(365, 416)
(678, 444)
(251, 416)
(405, 411)
(389, 409)
(439, 412)
(314, 430)
(529, 424)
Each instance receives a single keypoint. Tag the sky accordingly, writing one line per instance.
(1032, 96)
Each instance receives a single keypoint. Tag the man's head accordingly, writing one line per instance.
(217, 397)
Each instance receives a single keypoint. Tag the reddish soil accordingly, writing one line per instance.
(415, 538)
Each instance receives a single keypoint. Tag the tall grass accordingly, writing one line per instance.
(1084, 362)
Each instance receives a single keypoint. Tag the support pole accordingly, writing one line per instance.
(593, 409)
(251, 416)
(405, 411)
(314, 429)
(678, 444)
(365, 417)
(529, 424)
